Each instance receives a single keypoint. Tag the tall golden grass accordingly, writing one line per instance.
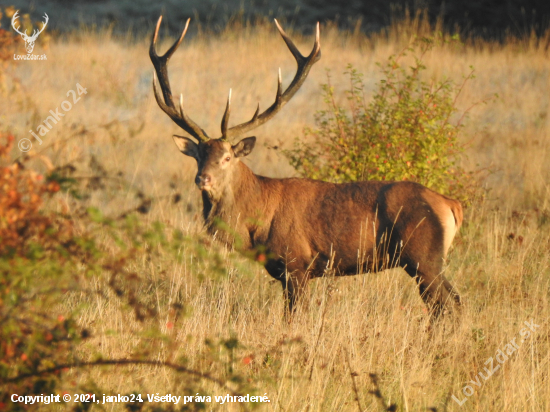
(354, 327)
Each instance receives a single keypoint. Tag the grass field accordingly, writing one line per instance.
(354, 327)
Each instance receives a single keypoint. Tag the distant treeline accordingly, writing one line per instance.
(494, 19)
(486, 18)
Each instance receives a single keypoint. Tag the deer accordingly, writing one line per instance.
(309, 228)
(29, 40)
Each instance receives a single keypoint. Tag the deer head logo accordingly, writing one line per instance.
(29, 40)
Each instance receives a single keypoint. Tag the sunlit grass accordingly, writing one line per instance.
(373, 323)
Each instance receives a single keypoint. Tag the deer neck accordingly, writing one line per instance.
(236, 205)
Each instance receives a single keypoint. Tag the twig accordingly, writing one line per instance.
(103, 362)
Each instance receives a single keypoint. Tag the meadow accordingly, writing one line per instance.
(363, 343)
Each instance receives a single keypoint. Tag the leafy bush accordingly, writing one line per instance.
(409, 131)
(53, 264)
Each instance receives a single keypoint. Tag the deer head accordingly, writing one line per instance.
(217, 158)
(29, 40)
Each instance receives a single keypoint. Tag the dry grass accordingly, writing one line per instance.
(366, 324)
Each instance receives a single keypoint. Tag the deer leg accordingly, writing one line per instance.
(293, 283)
(436, 291)
(277, 269)
(294, 287)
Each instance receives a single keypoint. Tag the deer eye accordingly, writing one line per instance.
(227, 159)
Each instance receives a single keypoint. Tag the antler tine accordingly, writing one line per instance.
(257, 112)
(304, 66)
(279, 86)
(290, 44)
(13, 19)
(36, 32)
(166, 102)
(225, 118)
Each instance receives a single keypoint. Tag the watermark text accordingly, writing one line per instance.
(25, 144)
(501, 356)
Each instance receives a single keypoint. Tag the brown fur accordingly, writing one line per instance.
(309, 228)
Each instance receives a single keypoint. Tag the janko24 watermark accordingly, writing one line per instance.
(55, 116)
(29, 40)
(501, 356)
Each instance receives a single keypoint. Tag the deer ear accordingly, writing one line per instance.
(187, 146)
(244, 147)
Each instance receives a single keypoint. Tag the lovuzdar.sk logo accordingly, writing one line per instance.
(29, 40)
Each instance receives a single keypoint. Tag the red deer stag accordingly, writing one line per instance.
(307, 227)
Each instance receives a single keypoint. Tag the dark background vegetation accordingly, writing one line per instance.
(490, 19)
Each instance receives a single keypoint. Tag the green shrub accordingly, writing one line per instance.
(409, 131)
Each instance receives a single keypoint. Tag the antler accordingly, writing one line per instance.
(182, 120)
(15, 16)
(34, 33)
(167, 104)
(304, 65)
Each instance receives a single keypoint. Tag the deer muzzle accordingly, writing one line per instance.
(203, 181)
